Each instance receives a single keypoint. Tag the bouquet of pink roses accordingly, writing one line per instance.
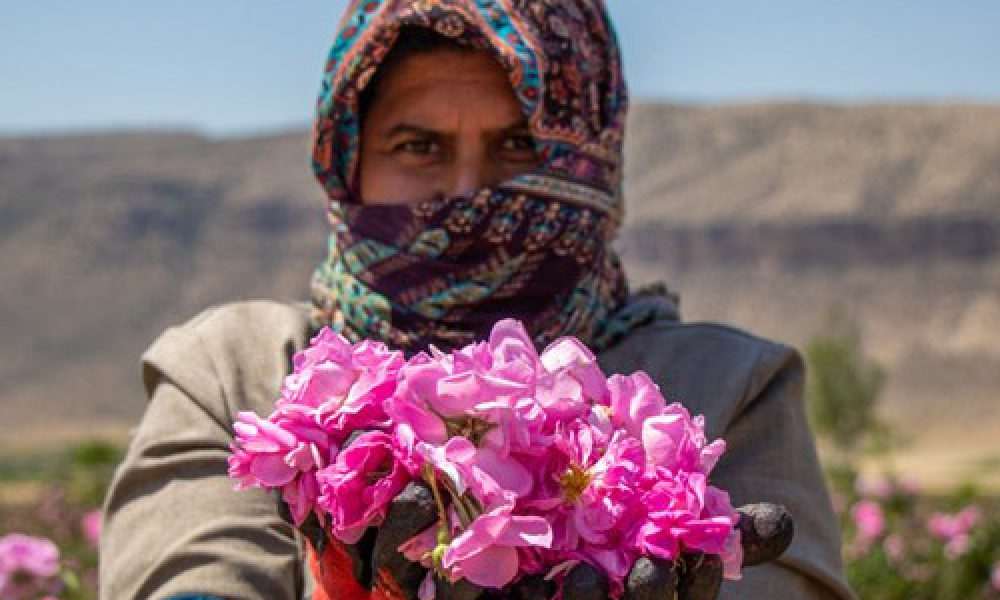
(536, 461)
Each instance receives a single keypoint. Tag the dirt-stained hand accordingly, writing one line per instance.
(766, 530)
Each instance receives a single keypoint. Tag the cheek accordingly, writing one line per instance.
(384, 182)
(510, 170)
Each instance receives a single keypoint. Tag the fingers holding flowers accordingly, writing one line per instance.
(765, 530)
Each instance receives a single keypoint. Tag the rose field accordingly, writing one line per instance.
(902, 539)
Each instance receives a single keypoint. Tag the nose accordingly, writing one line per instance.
(469, 174)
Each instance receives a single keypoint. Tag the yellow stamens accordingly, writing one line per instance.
(574, 482)
(469, 427)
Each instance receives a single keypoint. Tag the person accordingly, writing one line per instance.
(471, 151)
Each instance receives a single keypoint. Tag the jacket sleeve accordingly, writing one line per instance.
(173, 526)
(771, 457)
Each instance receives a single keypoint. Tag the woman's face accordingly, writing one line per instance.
(442, 124)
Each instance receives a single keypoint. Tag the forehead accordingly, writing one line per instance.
(440, 90)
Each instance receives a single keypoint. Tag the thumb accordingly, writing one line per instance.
(411, 512)
(584, 582)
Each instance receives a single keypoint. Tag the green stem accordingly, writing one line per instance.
(462, 512)
(443, 532)
(470, 508)
(431, 479)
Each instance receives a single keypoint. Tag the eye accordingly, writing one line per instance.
(519, 142)
(518, 148)
(419, 146)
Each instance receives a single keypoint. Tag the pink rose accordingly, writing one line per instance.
(634, 399)
(537, 460)
(511, 348)
(718, 504)
(357, 489)
(486, 553)
(676, 442)
(594, 505)
(345, 385)
(677, 519)
(570, 380)
(283, 452)
(469, 394)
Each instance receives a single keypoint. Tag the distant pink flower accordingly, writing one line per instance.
(942, 525)
(894, 547)
(28, 567)
(91, 526)
(995, 578)
(954, 530)
(32, 555)
(949, 528)
(909, 486)
(969, 517)
(957, 546)
(876, 486)
(357, 489)
(869, 519)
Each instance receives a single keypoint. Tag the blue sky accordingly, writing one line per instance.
(231, 66)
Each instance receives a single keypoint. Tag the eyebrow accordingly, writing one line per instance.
(408, 128)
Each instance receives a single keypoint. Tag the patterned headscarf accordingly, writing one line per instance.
(536, 247)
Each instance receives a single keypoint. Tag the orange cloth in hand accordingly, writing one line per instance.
(334, 576)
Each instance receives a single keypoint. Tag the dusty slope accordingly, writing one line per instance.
(763, 215)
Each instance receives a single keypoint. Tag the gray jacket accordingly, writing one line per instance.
(174, 525)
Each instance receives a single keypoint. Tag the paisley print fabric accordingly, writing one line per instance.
(538, 247)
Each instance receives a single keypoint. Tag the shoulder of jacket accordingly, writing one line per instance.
(229, 345)
(714, 368)
(704, 339)
(248, 319)
(766, 357)
(234, 325)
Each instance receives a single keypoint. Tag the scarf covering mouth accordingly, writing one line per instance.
(536, 248)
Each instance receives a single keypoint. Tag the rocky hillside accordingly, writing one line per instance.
(767, 216)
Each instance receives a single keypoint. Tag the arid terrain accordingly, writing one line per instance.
(767, 216)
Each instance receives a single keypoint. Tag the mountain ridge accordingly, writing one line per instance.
(764, 215)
